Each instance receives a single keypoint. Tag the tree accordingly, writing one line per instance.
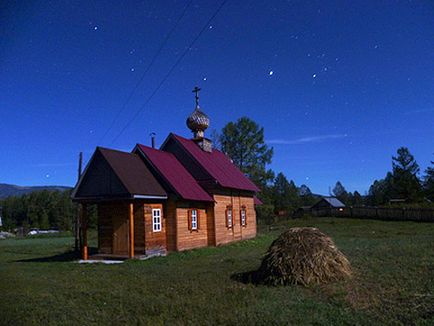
(428, 182)
(306, 196)
(285, 194)
(42, 209)
(340, 192)
(406, 184)
(215, 138)
(357, 199)
(381, 191)
(243, 142)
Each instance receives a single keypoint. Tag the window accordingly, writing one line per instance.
(194, 219)
(243, 216)
(156, 220)
(229, 221)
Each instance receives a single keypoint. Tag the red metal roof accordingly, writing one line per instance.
(175, 174)
(218, 165)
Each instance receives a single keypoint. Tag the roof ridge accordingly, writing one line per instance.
(155, 149)
(114, 150)
(215, 168)
(148, 154)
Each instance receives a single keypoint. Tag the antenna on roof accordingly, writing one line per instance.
(152, 134)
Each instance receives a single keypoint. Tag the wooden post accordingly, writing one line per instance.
(77, 217)
(131, 233)
(83, 212)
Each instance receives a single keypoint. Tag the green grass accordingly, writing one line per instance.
(393, 282)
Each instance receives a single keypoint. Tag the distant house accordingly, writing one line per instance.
(328, 202)
(184, 195)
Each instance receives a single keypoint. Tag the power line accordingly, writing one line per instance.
(137, 113)
(151, 63)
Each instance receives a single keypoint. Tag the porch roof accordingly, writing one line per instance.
(115, 174)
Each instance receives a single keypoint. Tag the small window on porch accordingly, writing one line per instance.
(156, 220)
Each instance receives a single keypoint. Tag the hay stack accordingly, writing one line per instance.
(303, 256)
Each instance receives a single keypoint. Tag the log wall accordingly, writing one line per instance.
(175, 234)
(189, 239)
(108, 213)
(223, 234)
(105, 229)
(170, 213)
(139, 229)
(154, 241)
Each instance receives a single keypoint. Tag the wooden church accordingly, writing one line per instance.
(184, 195)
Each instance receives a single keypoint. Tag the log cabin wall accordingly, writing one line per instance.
(139, 229)
(175, 234)
(249, 230)
(154, 240)
(105, 229)
(223, 234)
(113, 228)
(186, 238)
(116, 213)
(170, 214)
(210, 219)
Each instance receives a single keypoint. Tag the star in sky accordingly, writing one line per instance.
(327, 63)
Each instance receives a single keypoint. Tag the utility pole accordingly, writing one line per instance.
(77, 232)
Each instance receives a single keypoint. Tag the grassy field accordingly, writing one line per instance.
(393, 282)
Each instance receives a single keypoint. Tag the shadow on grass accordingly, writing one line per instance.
(251, 277)
(66, 256)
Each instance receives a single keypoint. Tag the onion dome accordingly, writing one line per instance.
(197, 121)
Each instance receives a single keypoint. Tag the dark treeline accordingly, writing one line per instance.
(243, 141)
(40, 209)
(46, 209)
(404, 185)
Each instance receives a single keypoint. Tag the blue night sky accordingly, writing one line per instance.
(337, 85)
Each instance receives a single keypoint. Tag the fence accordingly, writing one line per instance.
(379, 213)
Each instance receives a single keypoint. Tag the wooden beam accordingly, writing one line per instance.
(131, 233)
(84, 223)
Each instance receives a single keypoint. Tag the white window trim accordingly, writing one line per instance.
(230, 217)
(243, 216)
(194, 221)
(156, 220)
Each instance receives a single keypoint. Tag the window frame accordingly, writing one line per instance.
(156, 224)
(231, 210)
(243, 222)
(196, 227)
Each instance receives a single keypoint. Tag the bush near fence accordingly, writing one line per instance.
(378, 213)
